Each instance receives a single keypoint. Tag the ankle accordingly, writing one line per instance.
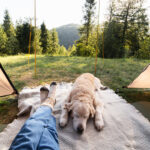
(49, 102)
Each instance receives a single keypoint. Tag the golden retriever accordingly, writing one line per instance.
(82, 103)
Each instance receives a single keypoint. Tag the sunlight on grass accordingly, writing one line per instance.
(114, 73)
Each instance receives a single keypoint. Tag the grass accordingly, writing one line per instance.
(8, 111)
(114, 73)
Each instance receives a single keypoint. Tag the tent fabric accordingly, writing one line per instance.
(122, 131)
(6, 86)
(143, 80)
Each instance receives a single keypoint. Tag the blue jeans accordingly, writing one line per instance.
(38, 133)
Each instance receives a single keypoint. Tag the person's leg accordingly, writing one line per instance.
(39, 131)
(33, 130)
(49, 138)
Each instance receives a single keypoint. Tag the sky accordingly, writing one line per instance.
(54, 13)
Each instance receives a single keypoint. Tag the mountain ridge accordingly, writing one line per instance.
(68, 34)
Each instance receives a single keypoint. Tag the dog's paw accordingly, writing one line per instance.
(99, 125)
(62, 123)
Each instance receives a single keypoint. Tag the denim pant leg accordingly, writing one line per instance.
(35, 131)
(49, 138)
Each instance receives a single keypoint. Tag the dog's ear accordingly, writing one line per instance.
(68, 106)
(92, 110)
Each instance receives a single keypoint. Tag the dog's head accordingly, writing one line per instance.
(80, 112)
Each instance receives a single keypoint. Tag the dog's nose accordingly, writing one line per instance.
(80, 129)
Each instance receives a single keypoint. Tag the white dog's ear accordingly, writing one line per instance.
(68, 106)
(92, 111)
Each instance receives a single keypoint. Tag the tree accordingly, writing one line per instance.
(87, 50)
(83, 46)
(127, 24)
(72, 50)
(3, 40)
(54, 43)
(45, 39)
(111, 10)
(22, 34)
(134, 19)
(12, 43)
(36, 41)
(144, 51)
(7, 24)
(112, 40)
(137, 32)
(110, 37)
(88, 18)
(62, 51)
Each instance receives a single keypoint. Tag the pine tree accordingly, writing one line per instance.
(45, 39)
(127, 25)
(3, 40)
(72, 50)
(135, 23)
(83, 45)
(22, 35)
(36, 41)
(12, 42)
(54, 43)
(62, 51)
(88, 19)
(7, 24)
(112, 40)
(144, 51)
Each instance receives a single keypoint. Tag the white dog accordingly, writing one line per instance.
(82, 103)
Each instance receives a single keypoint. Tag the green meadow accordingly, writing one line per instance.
(113, 73)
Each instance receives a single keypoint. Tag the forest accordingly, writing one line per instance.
(124, 34)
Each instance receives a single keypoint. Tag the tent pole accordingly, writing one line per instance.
(97, 37)
(103, 45)
(29, 40)
(35, 35)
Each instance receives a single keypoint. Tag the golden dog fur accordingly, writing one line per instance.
(83, 103)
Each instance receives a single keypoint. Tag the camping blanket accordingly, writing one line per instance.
(125, 127)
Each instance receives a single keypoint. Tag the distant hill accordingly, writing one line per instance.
(68, 34)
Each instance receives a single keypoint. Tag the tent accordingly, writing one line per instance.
(6, 86)
(143, 80)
